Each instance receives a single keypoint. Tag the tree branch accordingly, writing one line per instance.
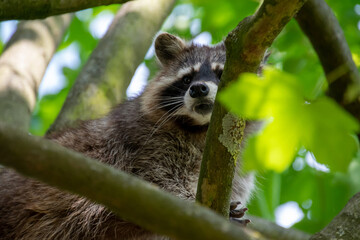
(28, 9)
(129, 197)
(106, 75)
(319, 23)
(345, 225)
(23, 64)
(245, 45)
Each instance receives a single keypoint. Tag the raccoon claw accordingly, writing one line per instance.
(238, 213)
(233, 205)
(235, 214)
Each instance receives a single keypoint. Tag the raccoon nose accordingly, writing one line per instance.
(199, 90)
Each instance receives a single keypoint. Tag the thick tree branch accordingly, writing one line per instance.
(345, 225)
(129, 197)
(28, 9)
(246, 46)
(23, 64)
(319, 23)
(106, 75)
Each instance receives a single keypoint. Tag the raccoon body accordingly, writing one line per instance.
(158, 136)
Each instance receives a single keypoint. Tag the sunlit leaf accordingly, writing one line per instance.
(321, 126)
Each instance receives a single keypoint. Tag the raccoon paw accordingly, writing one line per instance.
(236, 214)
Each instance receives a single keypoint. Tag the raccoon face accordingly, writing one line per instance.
(184, 91)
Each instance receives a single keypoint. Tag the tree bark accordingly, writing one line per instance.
(246, 46)
(319, 23)
(345, 225)
(106, 75)
(129, 197)
(28, 9)
(23, 64)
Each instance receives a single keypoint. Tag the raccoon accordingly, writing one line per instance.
(158, 136)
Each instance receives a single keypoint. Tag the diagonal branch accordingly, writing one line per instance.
(23, 64)
(129, 197)
(28, 9)
(246, 46)
(319, 23)
(106, 75)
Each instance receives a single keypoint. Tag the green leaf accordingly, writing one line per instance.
(328, 133)
(274, 149)
(321, 126)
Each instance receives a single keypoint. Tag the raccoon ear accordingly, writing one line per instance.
(167, 47)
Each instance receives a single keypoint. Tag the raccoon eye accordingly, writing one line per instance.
(186, 79)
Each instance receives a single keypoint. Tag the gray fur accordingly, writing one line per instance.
(128, 138)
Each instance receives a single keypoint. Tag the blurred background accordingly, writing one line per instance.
(305, 196)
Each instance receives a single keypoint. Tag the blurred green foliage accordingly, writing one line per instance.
(320, 193)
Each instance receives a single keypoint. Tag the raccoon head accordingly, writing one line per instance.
(184, 90)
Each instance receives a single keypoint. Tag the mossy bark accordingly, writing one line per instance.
(104, 79)
(245, 48)
(345, 225)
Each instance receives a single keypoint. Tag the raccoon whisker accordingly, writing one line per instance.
(166, 98)
(169, 104)
(162, 123)
(158, 106)
(168, 115)
(166, 104)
